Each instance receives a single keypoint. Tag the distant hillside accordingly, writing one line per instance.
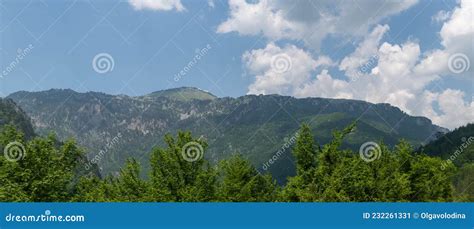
(11, 114)
(183, 94)
(255, 126)
(457, 144)
(457, 147)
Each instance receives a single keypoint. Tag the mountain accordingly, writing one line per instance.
(183, 94)
(116, 127)
(11, 114)
(457, 145)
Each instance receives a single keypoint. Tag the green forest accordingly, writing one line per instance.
(52, 171)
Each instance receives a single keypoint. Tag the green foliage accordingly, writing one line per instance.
(463, 182)
(241, 182)
(49, 172)
(304, 151)
(45, 172)
(175, 179)
(397, 175)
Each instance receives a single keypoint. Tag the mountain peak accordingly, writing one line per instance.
(184, 94)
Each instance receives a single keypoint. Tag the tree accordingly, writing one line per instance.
(241, 182)
(129, 185)
(429, 182)
(44, 169)
(463, 182)
(341, 175)
(179, 172)
(41, 170)
(304, 151)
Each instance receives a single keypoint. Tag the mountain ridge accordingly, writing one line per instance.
(163, 93)
(256, 126)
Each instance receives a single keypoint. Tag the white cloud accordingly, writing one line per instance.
(211, 4)
(456, 35)
(441, 16)
(378, 72)
(458, 31)
(455, 111)
(400, 77)
(255, 18)
(280, 70)
(365, 56)
(310, 21)
(324, 86)
(164, 5)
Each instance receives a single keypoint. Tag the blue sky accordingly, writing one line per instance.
(152, 41)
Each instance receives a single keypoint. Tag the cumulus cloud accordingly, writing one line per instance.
(376, 71)
(324, 86)
(278, 70)
(363, 59)
(400, 76)
(307, 20)
(457, 31)
(455, 111)
(255, 18)
(456, 35)
(164, 5)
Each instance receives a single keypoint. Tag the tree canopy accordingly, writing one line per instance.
(50, 171)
